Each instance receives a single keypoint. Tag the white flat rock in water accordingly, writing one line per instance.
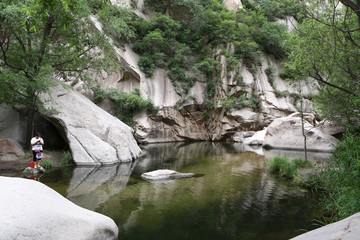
(165, 174)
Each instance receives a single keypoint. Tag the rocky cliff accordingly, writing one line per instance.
(185, 117)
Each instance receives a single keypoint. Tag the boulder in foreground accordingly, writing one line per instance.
(32, 211)
(165, 174)
(346, 229)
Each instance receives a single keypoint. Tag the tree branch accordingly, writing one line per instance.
(319, 78)
(4, 51)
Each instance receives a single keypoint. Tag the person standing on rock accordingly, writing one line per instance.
(37, 146)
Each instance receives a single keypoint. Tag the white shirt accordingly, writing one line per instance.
(36, 146)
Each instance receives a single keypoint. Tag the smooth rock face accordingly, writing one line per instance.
(256, 139)
(10, 150)
(346, 229)
(95, 137)
(286, 133)
(165, 174)
(32, 211)
(12, 124)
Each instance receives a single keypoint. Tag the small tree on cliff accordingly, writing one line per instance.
(43, 40)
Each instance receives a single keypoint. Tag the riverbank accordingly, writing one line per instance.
(11, 167)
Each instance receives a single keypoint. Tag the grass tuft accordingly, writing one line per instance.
(286, 168)
(47, 164)
(67, 159)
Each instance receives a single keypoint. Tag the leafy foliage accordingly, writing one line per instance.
(241, 102)
(125, 104)
(271, 36)
(183, 43)
(43, 41)
(119, 23)
(340, 179)
(326, 48)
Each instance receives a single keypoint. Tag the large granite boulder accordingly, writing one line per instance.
(346, 229)
(95, 137)
(31, 210)
(286, 133)
(10, 150)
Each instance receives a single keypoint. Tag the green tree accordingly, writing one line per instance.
(326, 48)
(271, 36)
(44, 40)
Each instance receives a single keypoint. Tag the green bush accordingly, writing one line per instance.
(125, 104)
(67, 159)
(271, 36)
(283, 166)
(288, 74)
(281, 94)
(340, 178)
(302, 163)
(270, 73)
(147, 65)
(228, 103)
(118, 22)
(47, 164)
(287, 168)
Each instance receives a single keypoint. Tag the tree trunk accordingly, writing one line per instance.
(30, 125)
(302, 120)
(303, 130)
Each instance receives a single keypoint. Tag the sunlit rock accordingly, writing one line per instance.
(95, 137)
(256, 139)
(290, 22)
(233, 5)
(165, 174)
(31, 210)
(286, 133)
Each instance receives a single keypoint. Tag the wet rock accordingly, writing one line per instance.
(165, 174)
(33, 171)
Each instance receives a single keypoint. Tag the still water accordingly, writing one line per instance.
(234, 197)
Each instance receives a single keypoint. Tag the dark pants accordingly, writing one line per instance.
(34, 155)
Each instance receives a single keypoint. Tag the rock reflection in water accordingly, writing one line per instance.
(91, 186)
(235, 198)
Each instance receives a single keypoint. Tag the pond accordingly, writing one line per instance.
(234, 197)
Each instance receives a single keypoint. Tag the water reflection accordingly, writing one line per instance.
(235, 198)
(92, 186)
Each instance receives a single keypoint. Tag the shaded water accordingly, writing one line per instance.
(235, 198)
